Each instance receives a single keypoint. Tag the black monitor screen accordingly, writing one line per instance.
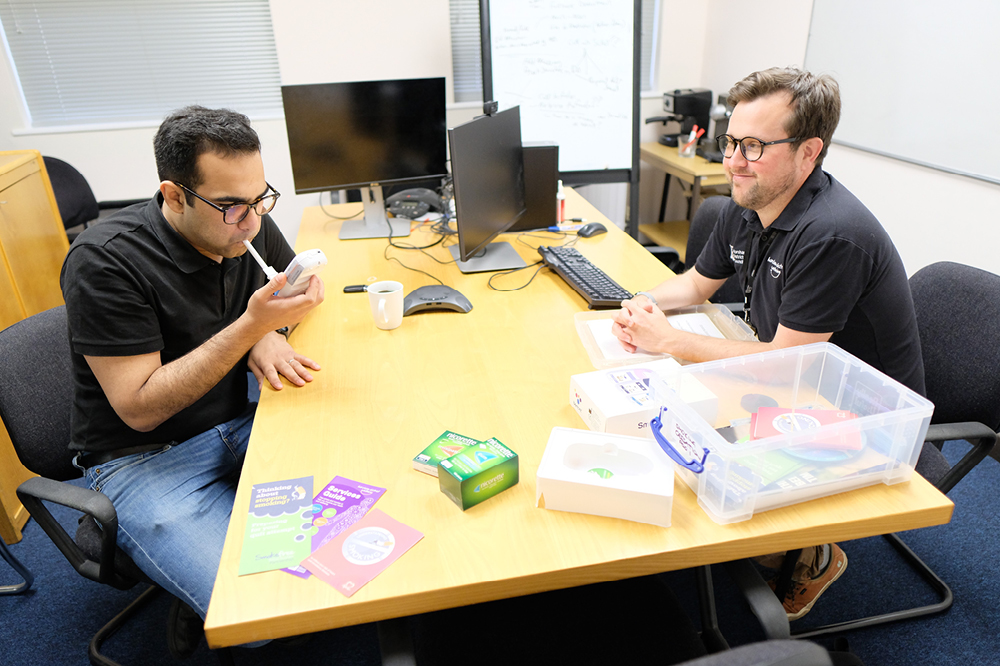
(488, 171)
(343, 135)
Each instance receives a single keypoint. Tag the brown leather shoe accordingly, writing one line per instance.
(802, 594)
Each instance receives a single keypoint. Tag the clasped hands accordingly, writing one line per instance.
(640, 324)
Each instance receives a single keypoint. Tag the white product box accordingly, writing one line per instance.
(620, 401)
(606, 475)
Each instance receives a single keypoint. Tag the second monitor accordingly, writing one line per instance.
(488, 172)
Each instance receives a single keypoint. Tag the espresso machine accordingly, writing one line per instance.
(688, 106)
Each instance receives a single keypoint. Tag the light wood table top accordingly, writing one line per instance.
(687, 169)
(502, 370)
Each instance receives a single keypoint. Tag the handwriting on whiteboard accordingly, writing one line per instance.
(569, 66)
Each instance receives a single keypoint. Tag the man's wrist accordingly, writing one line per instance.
(652, 299)
(286, 330)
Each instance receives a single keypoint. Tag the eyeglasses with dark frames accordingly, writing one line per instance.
(235, 213)
(752, 149)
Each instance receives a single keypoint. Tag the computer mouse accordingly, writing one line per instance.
(435, 297)
(591, 229)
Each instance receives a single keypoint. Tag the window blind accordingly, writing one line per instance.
(466, 48)
(82, 62)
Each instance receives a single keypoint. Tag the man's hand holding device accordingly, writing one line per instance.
(287, 297)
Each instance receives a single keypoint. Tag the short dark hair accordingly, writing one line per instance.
(815, 101)
(187, 133)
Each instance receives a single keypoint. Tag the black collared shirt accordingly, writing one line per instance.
(134, 286)
(830, 268)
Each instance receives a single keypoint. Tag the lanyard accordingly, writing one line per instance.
(755, 259)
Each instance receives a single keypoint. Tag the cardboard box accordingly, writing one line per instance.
(621, 401)
(606, 475)
(445, 446)
(478, 473)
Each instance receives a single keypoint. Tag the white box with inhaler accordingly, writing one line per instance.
(606, 475)
(620, 401)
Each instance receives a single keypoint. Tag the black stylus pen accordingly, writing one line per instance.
(355, 288)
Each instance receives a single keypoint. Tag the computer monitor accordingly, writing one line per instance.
(365, 134)
(487, 169)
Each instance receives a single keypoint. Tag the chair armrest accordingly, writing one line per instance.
(763, 602)
(980, 436)
(34, 491)
(668, 256)
(768, 653)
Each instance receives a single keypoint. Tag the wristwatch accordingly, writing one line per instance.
(285, 331)
(651, 298)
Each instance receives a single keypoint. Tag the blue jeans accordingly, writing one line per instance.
(174, 506)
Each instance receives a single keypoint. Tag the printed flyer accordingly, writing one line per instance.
(339, 505)
(362, 552)
(278, 527)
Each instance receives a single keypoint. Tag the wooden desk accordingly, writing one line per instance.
(501, 370)
(695, 171)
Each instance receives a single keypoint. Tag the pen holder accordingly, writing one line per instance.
(686, 147)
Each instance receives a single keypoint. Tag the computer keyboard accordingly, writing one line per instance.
(588, 280)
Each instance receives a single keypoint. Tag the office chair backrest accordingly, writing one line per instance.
(36, 394)
(702, 224)
(76, 200)
(958, 315)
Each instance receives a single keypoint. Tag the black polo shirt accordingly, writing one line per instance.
(134, 286)
(829, 267)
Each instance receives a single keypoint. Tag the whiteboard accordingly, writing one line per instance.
(569, 65)
(917, 79)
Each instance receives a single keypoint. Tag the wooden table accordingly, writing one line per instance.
(697, 172)
(502, 370)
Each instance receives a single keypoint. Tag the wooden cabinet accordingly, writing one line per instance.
(33, 245)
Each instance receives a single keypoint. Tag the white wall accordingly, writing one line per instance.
(930, 215)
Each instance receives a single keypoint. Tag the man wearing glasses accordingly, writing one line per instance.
(166, 316)
(814, 263)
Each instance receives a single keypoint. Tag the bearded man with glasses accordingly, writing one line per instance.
(814, 263)
(167, 314)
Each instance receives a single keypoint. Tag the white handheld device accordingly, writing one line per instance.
(300, 269)
(304, 265)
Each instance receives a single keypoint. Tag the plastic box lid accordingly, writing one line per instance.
(826, 422)
(594, 329)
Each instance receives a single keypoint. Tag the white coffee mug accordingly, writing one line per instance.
(386, 301)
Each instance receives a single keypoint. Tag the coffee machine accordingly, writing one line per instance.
(688, 106)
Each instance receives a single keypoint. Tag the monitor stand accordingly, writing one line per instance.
(375, 223)
(494, 257)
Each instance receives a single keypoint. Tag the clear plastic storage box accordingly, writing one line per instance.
(792, 425)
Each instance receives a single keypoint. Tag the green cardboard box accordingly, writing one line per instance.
(478, 473)
(445, 446)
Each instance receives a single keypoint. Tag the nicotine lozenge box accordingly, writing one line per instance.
(478, 473)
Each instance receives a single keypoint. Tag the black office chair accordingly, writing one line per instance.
(26, 578)
(958, 316)
(77, 204)
(705, 218)
(704, 221)
(35, 401)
